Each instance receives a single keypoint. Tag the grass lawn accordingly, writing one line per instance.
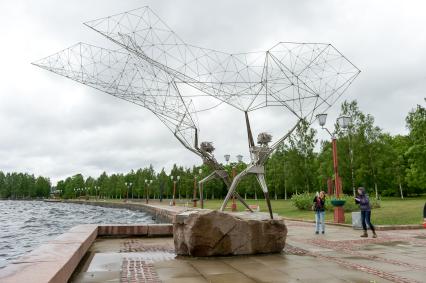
(393, 211)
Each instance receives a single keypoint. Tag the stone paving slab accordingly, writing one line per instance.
(393, 256)
(338, 256)
(110, 260)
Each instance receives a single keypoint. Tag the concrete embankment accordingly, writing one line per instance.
(60, 257)
(56, 261)
(161, 213)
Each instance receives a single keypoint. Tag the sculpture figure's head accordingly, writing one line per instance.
(207, 147)
(264, 139)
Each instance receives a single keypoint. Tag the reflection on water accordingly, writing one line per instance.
(24, 225)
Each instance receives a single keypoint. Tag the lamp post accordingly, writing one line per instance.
(147, 183)
(174, 188)
(346, 122)
(161, 189)
(194, 196)
(96, 192)
(77, 191)
(128, 186)
(343, 121)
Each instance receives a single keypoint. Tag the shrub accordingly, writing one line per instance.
(304, 202)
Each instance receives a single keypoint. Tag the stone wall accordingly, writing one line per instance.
(159, 214)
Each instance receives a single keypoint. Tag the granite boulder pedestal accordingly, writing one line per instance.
(214, 233)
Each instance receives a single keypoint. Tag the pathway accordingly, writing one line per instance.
(338, 256)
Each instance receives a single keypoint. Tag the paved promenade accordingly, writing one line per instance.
(395, 256)
(338, 256)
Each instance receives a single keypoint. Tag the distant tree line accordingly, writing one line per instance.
(385, 165)
(23, 186)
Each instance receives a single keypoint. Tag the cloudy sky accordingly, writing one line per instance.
(55, 127)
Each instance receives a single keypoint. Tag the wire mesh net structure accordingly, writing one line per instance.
(126, 76)
(153, 61)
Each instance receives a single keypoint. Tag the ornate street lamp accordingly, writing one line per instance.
(239, 158)
(227, 157)
(343, 122)
(322, 118)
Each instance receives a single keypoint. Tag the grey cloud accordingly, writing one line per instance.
(56, 127)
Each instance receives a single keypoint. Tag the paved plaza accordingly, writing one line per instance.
(338, 256)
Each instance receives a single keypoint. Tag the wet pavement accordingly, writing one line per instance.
(339, 255)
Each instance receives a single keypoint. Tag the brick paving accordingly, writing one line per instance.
(137, 245)
(338, 256)
(134, 270)
(363, 268)
(340, 246)
(141, 269)
(348, 247)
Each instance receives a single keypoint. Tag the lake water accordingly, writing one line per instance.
(24, 225)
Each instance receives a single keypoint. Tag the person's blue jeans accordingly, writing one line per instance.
(319, 221)
(365, 220)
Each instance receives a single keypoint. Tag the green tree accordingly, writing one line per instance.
(416, 153)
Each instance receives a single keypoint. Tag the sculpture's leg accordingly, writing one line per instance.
(262, 182)
(233, 186)
(237, 195)
(213, 175)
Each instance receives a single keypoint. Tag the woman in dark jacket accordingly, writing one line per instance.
(364, 204)
(319, 208)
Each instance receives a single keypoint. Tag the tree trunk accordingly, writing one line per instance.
(400, 190)
(377, 192)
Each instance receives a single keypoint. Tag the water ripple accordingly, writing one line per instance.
(27, 224)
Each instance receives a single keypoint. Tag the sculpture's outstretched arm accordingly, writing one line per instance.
(283, 138)
(187, 146)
